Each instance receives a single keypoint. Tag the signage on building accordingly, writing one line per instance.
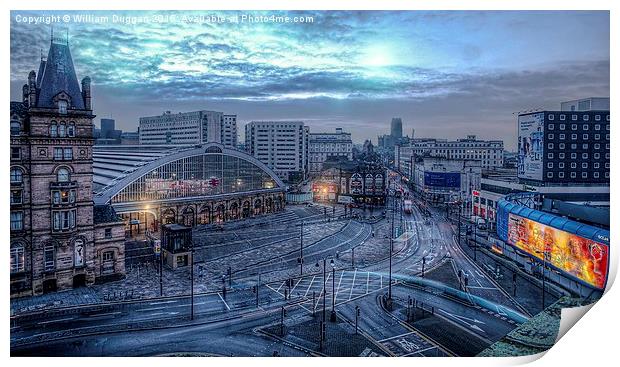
(475, 193)
(530, 147)
(442, 179)
(157, 247)
(579, 257)
(345, 199)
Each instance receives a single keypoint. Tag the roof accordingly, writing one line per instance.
(58, 76)
(19, 108)
(116, 166)
(105, 214)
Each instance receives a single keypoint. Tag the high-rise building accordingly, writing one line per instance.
(324, 146)
(281, 145)
(564, 147)
(397, 128)
(189, 128)
(586, 104)
(59, 239)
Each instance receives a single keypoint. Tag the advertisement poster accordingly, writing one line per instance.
(530, 146)
(579, 257)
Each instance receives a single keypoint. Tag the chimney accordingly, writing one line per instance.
(25, 93)
(86, 93)
(32, 85)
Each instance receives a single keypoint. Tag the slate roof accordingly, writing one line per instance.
(19, 108)
(59, 75)
(105, 214)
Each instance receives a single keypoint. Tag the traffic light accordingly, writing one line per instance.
(253, 289)
(357, 310)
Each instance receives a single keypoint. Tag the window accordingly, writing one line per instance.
(562, 126)
(586, 118)
(573, 156)
(550, 136)
(597, 146)
(17, 259)
(596, 175)
(17, 175)
(16, 197)
(573, 146)
(61, 130)
(63, 175)
(550, 126)
(573, 136)
(562, 136)
(562, 118)
(71, 130)
(597, 155)
(597, 118)
(573, 127)
(584, 174)
(573, 165)
(606, 174)
(58, 154)
(585, 136)
(16, 153)
(550, 155)
(561, 155)
(49, 257)
(573, 174)
(62, 107)
(108, 233)
(550, 165)
(606, 165)
(17, 221)
(607, 136)
(561, 165)
(54, 130)
(597, 127)
(550, 117)
(16, 128)
(63, 219)
(550, 145)
(584, 155)
(68, 154)
(584, 165)
(549, 174)
(574, 118)
(108, 256)
(63, 196)
(561, 174)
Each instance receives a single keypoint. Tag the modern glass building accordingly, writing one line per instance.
(189, 185)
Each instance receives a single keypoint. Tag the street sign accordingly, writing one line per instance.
(157, 247)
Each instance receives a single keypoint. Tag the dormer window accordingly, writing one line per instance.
(62, 107)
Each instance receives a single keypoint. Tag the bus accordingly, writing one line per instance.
(407, 206)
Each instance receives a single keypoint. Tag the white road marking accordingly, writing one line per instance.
(309, 285)
(367, 280)
(162, 302)
(57, 320)
(299, 281)
(352, 284)
(150, 309)
(225, 304)
(339, 281)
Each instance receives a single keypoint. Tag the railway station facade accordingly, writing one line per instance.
(203, 184)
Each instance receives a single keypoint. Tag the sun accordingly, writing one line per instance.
(377, 56)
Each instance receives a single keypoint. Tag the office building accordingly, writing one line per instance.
(328, 146)
(281, 145)
(189, 128)
(586, 104)
(396, 128)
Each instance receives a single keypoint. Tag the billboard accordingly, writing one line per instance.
(579, 257)
(442, 179)
(530, 146)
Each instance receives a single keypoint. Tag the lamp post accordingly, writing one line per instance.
(324, 280)
(301, 249)
(545, 253)
(332, 317)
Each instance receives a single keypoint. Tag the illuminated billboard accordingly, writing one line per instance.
(442, 179)
(530, 146)
(582, 258)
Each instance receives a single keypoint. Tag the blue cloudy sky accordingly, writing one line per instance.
(445, 73)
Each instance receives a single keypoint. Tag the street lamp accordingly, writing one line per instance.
(301, 249)
(324, 280)
(545, 254)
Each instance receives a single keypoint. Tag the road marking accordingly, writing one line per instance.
(296, 284)
(225, 304)
(162, 302)
(397, 336)
(278, 290)
(150, 309)
(58, 320)
(367, 280)
(105, 314)
(352, 283)
(488, 288)
(309, 285)
(339, 281)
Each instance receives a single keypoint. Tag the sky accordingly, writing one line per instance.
(447, 74)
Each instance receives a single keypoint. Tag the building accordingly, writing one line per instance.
(59, 239)
(130, 138)
(323, 146)
(441, 180)
(108, 133)
(586, 104)
(559, 147)
(150, 185)
(281, 145)
(396, 126)
(189, 128)
(490, 153)
(351, 182)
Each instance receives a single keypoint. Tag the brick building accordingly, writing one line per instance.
(59, 240)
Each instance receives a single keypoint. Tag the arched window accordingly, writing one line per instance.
(16, 127)
(63, 175)
(61, 130)
(54, 130)
(71, 130)
(17, 175)
(62, 107)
